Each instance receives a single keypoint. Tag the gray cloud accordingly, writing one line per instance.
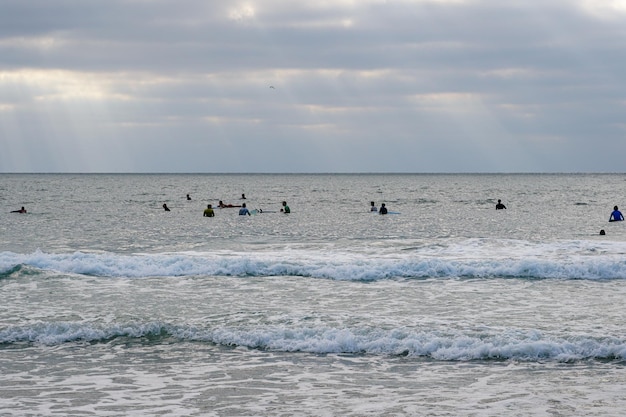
(408, 86)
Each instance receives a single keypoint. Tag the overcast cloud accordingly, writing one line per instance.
(313, 86)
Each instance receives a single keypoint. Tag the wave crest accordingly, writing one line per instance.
(470, 259)
(507, 345)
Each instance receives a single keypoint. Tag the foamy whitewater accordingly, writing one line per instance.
(113, 307)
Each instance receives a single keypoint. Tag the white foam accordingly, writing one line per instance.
(469, 258)
(460, 346)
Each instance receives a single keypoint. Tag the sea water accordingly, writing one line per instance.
(111, 306)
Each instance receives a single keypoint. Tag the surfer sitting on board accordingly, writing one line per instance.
(243, 210)
(373, 206)
(165, 207)
(208, 212)
(22, 210)
(285, 208)
(500, 206)
(383, 209)
(616, 216)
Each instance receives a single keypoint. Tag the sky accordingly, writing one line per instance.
(312, 86)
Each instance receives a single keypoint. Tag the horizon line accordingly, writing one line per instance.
(315, 173)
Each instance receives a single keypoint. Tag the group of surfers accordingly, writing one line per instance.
(381, 210)
(616, 215)
(243, 210)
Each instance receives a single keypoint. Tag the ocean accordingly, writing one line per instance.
(111, 306)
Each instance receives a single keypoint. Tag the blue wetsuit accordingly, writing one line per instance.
(616, 216)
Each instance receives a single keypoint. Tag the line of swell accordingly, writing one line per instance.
(359, 270)
(527, 345)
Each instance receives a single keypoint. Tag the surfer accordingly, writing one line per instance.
(373, 206)
(222, 205)
(383, 209)
(243, 196)
(208, 212)
(188, 197)
(500, 206)
(285, 208)
(22, 210)
(616, 216)
(165, 207)
(243, 210)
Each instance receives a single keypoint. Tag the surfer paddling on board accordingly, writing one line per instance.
(22, 210)
(500, 206)
(222, 205)
(616, 216)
